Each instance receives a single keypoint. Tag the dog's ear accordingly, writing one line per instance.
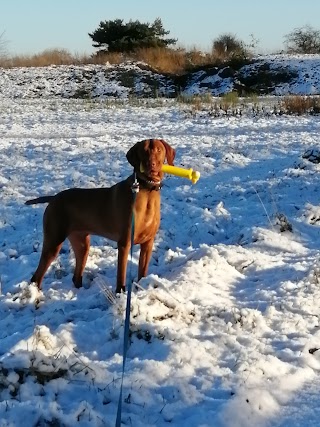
(170, 152)
(133, 155)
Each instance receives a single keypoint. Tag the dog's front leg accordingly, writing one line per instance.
(144, 259)
(123, 252)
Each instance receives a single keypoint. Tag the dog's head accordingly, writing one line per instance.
(148, 156)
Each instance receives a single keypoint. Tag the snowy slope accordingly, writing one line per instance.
(301, 76)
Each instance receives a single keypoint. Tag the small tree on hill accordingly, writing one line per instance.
(303, 40)
(116, 36)
(228, 46)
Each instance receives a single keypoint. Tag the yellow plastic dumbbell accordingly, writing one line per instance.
(175, 170)
(183, 173)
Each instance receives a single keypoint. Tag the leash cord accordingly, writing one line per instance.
(135, 190)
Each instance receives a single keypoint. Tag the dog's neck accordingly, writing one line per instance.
(147, 184)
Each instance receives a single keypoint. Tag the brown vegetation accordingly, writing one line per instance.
(43, 59)
(299, 105)
(164, 60)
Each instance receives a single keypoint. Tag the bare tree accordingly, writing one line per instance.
(303, 40)
(3, 46)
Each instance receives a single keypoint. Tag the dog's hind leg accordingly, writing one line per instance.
(80, 243)
(48, 254)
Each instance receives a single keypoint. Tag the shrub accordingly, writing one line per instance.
(229, 101)
(196, 100)
(227, 46)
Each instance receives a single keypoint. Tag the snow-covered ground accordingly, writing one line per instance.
(306, 67)
(225, 328)
(82, 81)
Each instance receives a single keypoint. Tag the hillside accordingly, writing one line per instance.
(273, 75)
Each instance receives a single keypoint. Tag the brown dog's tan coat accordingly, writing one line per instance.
(77, 213)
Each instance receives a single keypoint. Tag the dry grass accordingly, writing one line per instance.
(111, 58)
(299, 105)
(164, 60)
(43, 59)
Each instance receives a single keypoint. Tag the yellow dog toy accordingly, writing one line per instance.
(183, 173)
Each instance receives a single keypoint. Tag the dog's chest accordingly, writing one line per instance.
(146, 217)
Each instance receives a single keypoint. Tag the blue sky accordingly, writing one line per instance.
(31, 26)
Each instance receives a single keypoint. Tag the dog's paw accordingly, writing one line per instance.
(30, 295)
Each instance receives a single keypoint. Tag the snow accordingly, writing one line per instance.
(307, 68)
(224, 329)
(122, 81)
(82, 81)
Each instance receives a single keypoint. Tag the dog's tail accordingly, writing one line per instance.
(43, 199)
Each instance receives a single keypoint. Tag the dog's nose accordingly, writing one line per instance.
(153, 163)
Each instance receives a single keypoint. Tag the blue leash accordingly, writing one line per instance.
(135, 190)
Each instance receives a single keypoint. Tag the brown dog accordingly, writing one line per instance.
(76, 213)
